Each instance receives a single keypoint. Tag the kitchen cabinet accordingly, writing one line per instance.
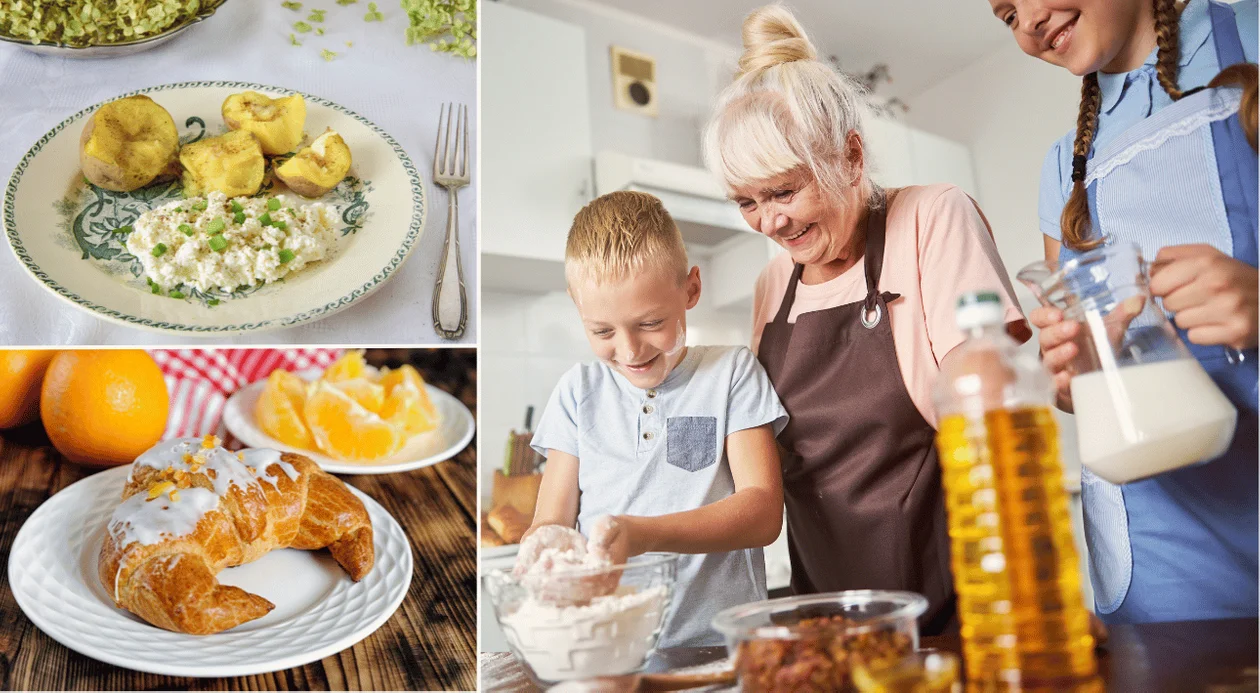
(733, 270)
(535, 144)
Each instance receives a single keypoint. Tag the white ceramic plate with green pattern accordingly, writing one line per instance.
(61, 228)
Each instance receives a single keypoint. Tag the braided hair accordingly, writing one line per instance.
(1075, 219)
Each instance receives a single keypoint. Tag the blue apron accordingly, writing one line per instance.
(1182, 545)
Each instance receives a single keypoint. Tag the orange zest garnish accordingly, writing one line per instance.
(159, 488)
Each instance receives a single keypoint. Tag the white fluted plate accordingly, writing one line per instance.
(319, 610)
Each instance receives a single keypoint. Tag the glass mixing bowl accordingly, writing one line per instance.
(609, 636)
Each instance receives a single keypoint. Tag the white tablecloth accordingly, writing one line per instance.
(396, 86)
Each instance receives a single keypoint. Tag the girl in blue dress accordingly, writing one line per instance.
(1164, 156)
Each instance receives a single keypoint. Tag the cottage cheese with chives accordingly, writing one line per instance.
(207, 245)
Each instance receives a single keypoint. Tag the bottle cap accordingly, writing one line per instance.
(978, 309)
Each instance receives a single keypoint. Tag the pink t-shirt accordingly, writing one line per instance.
(937, 247)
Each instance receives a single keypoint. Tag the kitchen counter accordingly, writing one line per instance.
(1220, 656)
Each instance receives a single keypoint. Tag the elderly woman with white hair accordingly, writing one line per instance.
(853, 321)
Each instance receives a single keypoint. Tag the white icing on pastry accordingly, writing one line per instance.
(144, 520)
(243, 470)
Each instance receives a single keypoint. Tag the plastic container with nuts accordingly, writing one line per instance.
(809, 644)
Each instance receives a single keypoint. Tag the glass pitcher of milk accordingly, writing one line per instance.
(1143, 403)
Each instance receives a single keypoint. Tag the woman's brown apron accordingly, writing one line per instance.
(861, 481)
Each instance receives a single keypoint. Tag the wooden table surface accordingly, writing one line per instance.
(428, 644)
(1181, 657)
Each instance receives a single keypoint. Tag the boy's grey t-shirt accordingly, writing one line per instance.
(660, 451)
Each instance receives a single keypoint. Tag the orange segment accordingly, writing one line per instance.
(367, 393)
(409, 378)
(344, 429)
(350, 366)
(404, 409)
(103, 407)
(21, 374)
(280, 409)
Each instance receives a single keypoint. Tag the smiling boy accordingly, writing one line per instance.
(675, 443)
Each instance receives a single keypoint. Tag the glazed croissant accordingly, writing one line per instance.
(191, 509)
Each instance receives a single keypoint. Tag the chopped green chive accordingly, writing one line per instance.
(328, 55)
(319, 31)
(239, 218)
(186, 229)
(293, 40)
(153, 286)
(212, 302)
(159, 250)
(236, 206)
(273, 204)
(199, 206)
(316, 16)
(123, 230)
(216, 226)
(266, 246)
(265, 219)
(176, 294)
(302, 27)
(218, 243)
(179, 209)
(282, 225)
(295, 6)
(286, 255)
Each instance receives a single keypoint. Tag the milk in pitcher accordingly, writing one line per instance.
(1141, 420)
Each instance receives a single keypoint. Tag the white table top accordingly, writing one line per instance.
(396, 86)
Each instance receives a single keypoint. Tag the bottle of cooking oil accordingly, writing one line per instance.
(1016, 569)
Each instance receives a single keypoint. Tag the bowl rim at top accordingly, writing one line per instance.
(912, 605)
(209, 8)
(645, 560)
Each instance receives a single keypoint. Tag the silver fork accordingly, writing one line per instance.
(450, 170)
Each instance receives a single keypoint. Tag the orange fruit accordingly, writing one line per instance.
(346, 430)
(368, 394)
(404, 409)
(21, 374)
(103, 407)
(280, 409)
(408, 377)
(350, 366)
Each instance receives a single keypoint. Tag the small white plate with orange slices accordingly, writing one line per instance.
(352, 418)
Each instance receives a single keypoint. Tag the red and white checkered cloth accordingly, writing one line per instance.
(201, 380)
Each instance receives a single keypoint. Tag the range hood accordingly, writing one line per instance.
(696, 201)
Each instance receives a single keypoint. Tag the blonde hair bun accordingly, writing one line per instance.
(772, 36)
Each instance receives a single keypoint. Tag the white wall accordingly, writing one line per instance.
(1008, 108)
(690, 72)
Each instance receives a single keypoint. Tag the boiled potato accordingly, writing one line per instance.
(318, 168)
(277, 123)
(232, 164)
(128, 144)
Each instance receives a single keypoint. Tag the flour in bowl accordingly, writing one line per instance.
(611, 635)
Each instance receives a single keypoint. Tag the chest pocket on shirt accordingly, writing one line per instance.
(691, 442)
